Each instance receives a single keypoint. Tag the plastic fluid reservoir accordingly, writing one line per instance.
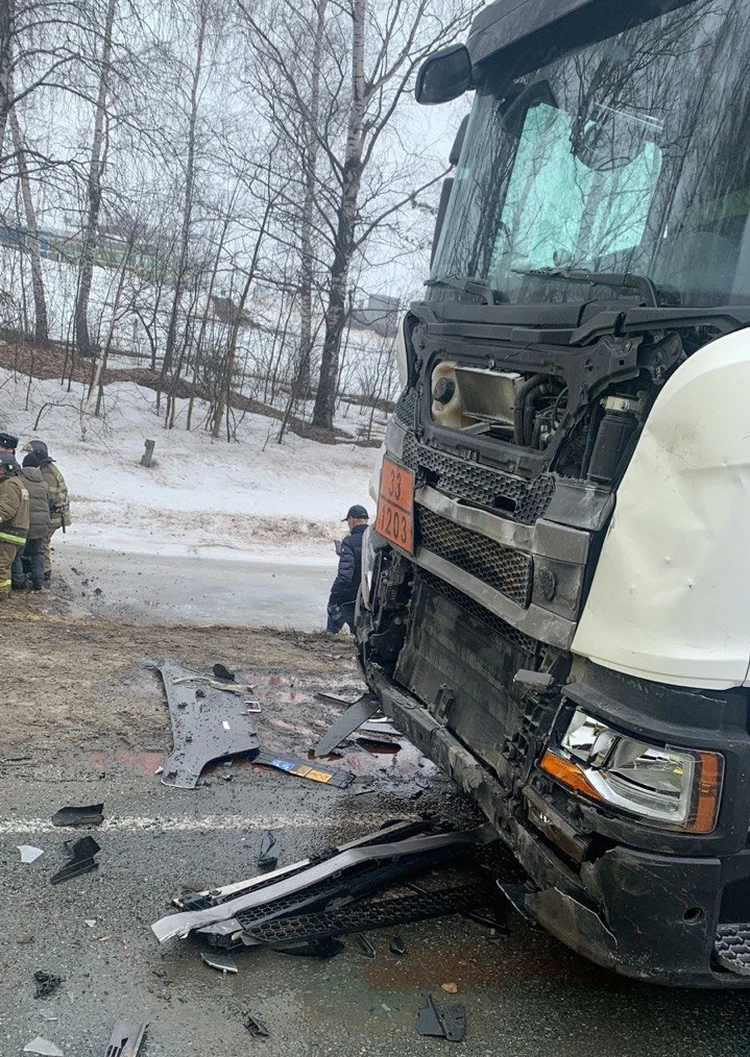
(446, 401)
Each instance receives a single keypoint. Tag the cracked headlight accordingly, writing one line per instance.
(664, 786)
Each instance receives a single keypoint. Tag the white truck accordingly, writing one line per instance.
(556, 591)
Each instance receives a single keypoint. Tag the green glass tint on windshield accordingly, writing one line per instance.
(631, 155)
(560, 212)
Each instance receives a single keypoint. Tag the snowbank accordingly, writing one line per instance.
(254, 498)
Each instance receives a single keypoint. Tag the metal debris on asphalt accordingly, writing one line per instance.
(82, 860)
(355, 715)
(396, 946)
(256, 1027)
(46, 983)
(90, 815)
(321, 772)
(216, 960)
(447, 1022)
(126, 1038)
(205, 725)
(43, 1047)
(29, 853)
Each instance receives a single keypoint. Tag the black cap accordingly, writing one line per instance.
(7, 440)
(356, 511)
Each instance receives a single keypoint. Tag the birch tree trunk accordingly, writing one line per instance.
(308, 204)
(94, 190)
(346, 221)
(41, 324)
(187, 207)
(7, 29)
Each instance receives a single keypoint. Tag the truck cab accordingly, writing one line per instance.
(555, 602)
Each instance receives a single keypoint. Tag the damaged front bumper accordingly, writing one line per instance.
(652, 916)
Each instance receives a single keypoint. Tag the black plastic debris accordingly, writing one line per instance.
(256, 1027)
(323, 947)
(317, 772)
(82, 860)
(208, 723)
(91, 815)
(446, 1022)
(216, 960)
(354, 717)
(46, 983)
(397, 946)
(222, 672)
(366, 946)
(266, 861)
(126, 1038)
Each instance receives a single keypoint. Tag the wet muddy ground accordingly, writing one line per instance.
(82, 722)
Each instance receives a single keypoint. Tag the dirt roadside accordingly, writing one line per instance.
(74, 682)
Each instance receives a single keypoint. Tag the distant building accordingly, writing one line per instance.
(381, 315)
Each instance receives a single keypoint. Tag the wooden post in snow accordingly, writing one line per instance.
(148, 455)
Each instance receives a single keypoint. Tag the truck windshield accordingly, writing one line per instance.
(628, 156)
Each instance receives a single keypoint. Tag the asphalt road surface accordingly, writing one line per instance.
(83, 722)
(160, 589)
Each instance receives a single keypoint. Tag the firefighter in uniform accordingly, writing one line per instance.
(58, 498)
(14, 517)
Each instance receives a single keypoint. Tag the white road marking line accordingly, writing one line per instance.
(208, 822)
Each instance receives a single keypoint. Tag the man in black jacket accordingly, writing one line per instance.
(346, 585)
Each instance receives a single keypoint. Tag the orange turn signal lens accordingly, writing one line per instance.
(569, 773)
(708, 792)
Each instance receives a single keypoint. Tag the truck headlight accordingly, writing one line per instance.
(664, 786)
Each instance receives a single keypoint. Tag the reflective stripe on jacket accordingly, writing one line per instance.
(14, 511)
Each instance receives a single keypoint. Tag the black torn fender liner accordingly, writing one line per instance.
(206, 725)
(346, 724)
(82, 860)
(90, 815)
(445, 1022)
(183, 924)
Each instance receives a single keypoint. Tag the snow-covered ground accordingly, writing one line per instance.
(251, 499)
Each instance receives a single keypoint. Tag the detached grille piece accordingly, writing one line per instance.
(474, 609)
(494, 489)
(507, 570)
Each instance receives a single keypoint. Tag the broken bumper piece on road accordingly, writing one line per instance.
(355, 871)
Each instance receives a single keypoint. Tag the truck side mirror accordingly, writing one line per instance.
(444, 76)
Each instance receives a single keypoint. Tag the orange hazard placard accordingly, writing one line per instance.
(395, 518)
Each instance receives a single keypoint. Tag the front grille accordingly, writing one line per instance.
(478, 611)
(479, 484)
(507, 570)
(406, 407)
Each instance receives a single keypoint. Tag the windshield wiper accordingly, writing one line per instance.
(615, 280)
(467, 285)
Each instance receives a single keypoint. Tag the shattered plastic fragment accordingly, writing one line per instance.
(447, 1022)
(222, 672)
(357, 714)
(43, 1047)
(256, 1027)
(46, 983)
(126, 1038)
(319, 773)
(90, 815)
(323, 947)
(29, 853)
(266, 861)
(216, 960)
(396, 946)
(82, 861)
(366, 946)
(451, 989)
(91, 922)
